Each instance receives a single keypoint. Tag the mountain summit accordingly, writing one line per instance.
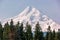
(33, 15)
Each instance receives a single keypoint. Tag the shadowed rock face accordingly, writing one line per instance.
(33, 15)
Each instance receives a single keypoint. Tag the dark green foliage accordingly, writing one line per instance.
(49, 34)
(16, 30)
(12, 27)
(17, 26)
(38, 32)
(58, 35)
(6, 31)
(53, 35)
(12, 30)
(20, 33)
(28, 35)
(1, 32)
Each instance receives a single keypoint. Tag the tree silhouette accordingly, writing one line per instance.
(1, 32)
(28, 35)
(38, 32)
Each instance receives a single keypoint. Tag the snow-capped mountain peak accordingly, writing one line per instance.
(33, 15)
(25, 11)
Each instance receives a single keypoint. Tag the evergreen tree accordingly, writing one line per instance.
(29, 35)
(38, 32)
(20, 33)
(6, 31)
(12, 27)
(17, 26)
(12, 32)
(49, 34)
(58, 35)
(1, 32)
(53, 35)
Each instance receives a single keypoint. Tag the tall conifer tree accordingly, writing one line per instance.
(20, 33)
(38, 32)
(58, 35)
(6, 32)
(29, 35)
(49, 34)
(1, 32)
(12, 32)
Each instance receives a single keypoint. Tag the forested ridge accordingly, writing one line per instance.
(18, 32)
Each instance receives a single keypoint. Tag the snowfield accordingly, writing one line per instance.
(33, 15)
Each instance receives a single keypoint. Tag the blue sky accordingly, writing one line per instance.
(10, 8)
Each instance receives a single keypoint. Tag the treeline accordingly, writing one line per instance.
(18, 32)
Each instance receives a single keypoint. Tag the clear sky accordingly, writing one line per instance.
(10, 8)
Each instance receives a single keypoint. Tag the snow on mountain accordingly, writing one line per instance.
(32, 15)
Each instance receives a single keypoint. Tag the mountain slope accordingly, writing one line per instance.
(32, 15)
